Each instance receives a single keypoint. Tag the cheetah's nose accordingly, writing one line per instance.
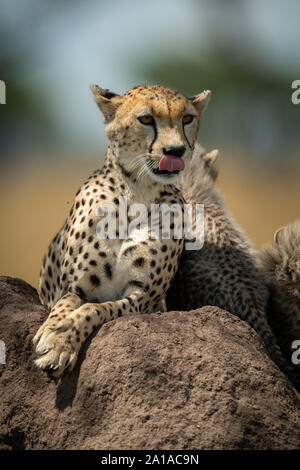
(174, 151)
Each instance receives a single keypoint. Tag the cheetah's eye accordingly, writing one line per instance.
(187, 119)
(146, 120)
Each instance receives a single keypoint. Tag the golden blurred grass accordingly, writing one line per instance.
(34, 204)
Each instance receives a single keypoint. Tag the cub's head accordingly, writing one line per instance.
(280, 262)
(152, 130)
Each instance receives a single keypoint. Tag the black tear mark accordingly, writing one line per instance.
(155, 137)
(191, 147)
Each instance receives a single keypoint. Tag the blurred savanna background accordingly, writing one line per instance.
(52, 135)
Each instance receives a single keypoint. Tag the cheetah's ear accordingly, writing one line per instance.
(201, 101)
(107, 101)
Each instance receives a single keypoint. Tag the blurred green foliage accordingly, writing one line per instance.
(251, 106)
(27, 115)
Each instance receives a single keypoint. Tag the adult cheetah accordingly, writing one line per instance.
(86, 281)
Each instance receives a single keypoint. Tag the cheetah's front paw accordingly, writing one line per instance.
(57, 350)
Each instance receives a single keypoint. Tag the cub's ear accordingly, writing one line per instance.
(278, 235)
(211, 157)
(209, 161)
(107, 101)
(201, 101)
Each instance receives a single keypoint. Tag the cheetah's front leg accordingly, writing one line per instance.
(42, 340)
(66, 305)
(59, 344)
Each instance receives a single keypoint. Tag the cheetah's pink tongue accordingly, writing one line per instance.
(171, 163)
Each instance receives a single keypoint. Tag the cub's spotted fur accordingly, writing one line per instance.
(280, 264)
(223, 272)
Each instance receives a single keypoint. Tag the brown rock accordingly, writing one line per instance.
(178, 380)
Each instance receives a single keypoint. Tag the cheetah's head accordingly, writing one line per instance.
(151, 129)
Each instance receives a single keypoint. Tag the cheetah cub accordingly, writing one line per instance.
(85, 280)
(280, 265)
(224, 272)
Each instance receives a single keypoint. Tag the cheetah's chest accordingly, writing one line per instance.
(137, 260)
